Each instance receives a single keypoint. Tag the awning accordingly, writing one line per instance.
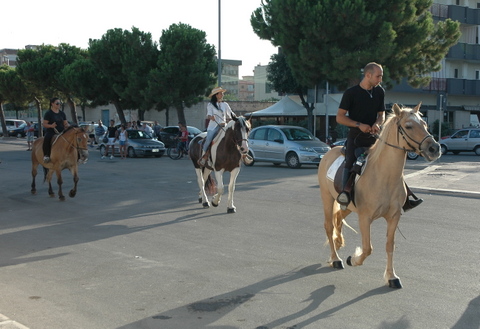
(471, 108)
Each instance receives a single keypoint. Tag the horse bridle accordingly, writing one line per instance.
(78, 148)
(401, 131)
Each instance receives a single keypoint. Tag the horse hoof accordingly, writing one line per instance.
(72, 194)
(62, 198)
(231, 210)
(199, 200)
(349, 261)
(394, 283)
(338, 264)
(215, 205)
(206, 205)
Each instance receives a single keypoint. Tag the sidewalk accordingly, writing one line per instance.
(459, 178)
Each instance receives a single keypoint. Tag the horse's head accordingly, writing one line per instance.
(241, 128)
(81, 144)
(414, 132)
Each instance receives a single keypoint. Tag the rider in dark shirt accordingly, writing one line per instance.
(55, 121)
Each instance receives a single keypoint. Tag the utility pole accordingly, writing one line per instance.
(441, 119)
(219, 45)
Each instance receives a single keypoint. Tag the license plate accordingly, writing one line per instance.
(155, 150)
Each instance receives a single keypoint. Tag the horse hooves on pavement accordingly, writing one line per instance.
(349, 260)
(199, 200)
(206, 205)
(231, 210)
(215, 205)
(395, 283)
(338, 264)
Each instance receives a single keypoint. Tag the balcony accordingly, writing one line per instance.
(464, 51)
(462, 14)
(463, 87)
(435, 86)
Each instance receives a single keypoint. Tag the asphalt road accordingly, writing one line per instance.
(135, 249)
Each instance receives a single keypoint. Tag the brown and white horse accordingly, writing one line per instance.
(227, 149)
(68, 149)
(380, 190)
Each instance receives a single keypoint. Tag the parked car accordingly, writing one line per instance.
(168, 134)
(292, 145)
(464, 140)
(410, 155)
(18, 131)
(11, 124)
(139, 143)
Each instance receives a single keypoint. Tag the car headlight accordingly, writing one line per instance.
(307, 149)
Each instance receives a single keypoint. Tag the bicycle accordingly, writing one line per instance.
(177, 150)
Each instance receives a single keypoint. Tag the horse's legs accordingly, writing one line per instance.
(231, 189)
(201, 178)
(362, 253)
(331, 212)
(390, 277)
(34, 174)
(217, 197)
(60, 182)
(73, 191)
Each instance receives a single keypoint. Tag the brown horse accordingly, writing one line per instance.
(68, 149)
(380, 190)
(227, 149)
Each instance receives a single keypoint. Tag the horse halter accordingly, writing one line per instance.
(238, 142)
(401, 131)
(77, 147)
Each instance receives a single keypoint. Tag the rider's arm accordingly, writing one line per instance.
(343, 119)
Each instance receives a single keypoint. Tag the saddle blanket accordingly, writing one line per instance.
(334, 167)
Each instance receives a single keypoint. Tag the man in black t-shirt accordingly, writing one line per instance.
(365, 106)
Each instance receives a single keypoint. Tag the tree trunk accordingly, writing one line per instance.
(2, 118)
(120, 113)
(73, 110)
(39, 115)
(309, 109)
(180, 114)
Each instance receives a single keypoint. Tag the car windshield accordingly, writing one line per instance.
(296, 134)
(138, 134)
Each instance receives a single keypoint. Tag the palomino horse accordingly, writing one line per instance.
(227, 150)
(68, 149)
(380, 190)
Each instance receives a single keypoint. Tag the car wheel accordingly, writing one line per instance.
(131, 152)
(412, 155)
(102, 150)
(253, 160)
(477, 150)
(293, 161)
(443, 148)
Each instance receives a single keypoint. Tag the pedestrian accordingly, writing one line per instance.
(55, 121)
(123, 141)
(156, 129)
(183, 138)
(112, 137)
(30, 134)
(100, 130)
(91, 133)
(147, 129)
(218, 114)
(365, 105)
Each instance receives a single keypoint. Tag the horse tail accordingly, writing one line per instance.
(210, 185)
(45, 173)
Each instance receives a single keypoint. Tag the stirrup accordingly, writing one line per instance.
(343, 199)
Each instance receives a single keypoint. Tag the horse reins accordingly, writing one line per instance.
(78, 148)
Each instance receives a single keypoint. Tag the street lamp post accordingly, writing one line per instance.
(219, 45)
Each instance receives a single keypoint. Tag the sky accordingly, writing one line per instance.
(75, 22)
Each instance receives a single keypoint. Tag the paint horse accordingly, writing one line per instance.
(227, 150)
(68, 149)
(380, 190)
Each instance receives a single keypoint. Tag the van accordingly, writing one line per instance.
(11, 124)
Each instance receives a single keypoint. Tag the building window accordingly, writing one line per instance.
(477, 75)
(455, 73)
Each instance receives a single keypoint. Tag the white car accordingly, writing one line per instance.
(11, 124)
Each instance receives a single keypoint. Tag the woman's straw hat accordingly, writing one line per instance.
(217, 90)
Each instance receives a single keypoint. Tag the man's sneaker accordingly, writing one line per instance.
(410, 204)
(46, 159)
(103, 157)
(111, 157)
(343, 199)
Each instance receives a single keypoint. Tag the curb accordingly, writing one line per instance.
(440, 191)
